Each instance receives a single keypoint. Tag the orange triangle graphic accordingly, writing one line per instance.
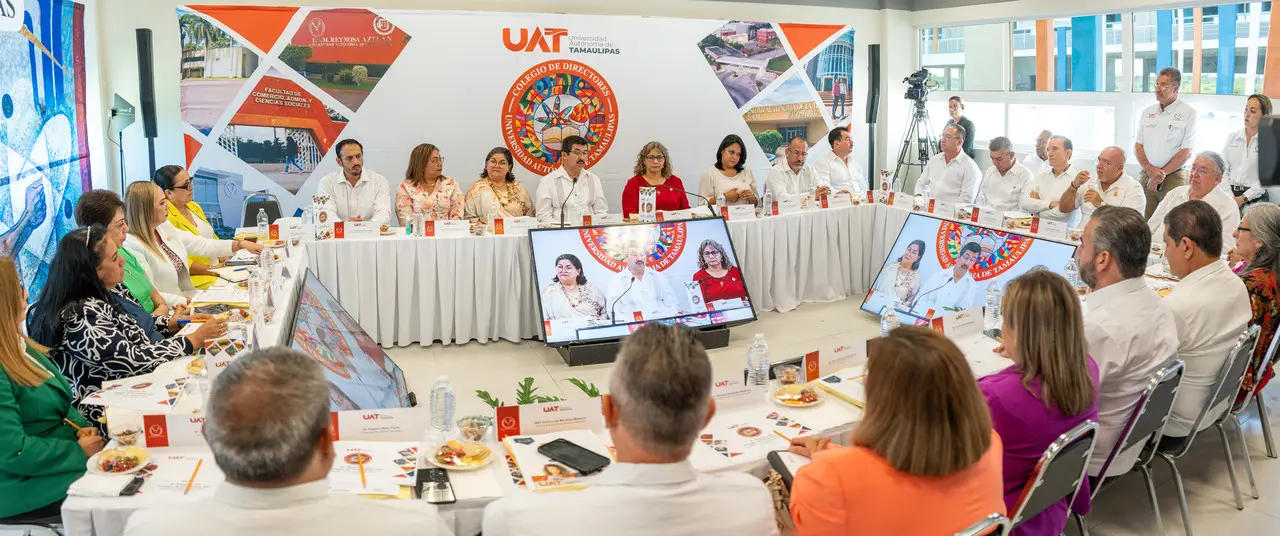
(193, 146)
(261, 26)
(806, 37)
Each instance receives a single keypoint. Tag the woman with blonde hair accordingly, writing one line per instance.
(1051, 388)
(426, 189)
(162, 249)
(925, 441)
(653, 170)
(41, 450)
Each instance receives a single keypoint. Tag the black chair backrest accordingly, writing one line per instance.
(271, 206)
(992, 525)
(1150, 413)
(1059, 472)
(1225, 387)
(1264, 365)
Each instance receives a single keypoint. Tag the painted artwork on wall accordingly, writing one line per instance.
(43, 134)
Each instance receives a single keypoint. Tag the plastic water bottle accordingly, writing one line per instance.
(237, 328)
(267, 262)
(766, 203)
(991, 314)
(982, 198)
(721, 201)
(1072, 273)
(442, 405)
(758, 361)
(262, 225)
(888, 320)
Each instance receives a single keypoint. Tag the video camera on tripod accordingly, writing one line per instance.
(919, 85)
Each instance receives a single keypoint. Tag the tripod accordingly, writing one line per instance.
(919, 132)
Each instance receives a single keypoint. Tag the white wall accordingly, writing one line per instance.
(119, 74)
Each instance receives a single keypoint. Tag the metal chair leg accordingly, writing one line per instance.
(1248, 462)
(1182, 493)
(1151, 494)
(1081, 524)
(1231, 464)
(1266, 425)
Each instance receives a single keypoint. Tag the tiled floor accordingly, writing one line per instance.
(1121, 510)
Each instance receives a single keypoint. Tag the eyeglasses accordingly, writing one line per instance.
(578, 153)
(437, 160)
(186, 186)
(655, 158)
(1166, 87)
(495, 162)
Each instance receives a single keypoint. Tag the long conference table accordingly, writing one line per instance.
(405, 290)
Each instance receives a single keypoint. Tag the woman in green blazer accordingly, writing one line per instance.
(41, 454)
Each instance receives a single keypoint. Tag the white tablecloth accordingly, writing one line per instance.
(404, 290)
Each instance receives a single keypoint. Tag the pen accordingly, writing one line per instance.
(73, 425)
(193, 476)
(360, 459)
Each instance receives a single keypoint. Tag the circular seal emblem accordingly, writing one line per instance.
(664, 242)
(316, 27)
(382, 26)
(552, 101)
(749, 431)
(1000, 250)
(355, 458)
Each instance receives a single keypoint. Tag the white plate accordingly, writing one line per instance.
(96, 468)
(816, 392)
(431, 458)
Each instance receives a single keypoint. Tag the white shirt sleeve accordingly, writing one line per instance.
(326, 188)
(599, 205)
(1102, 346)
(1189, 136)
(822, 173)
(1135, 199)
(859, 179)
(774, 184)
(203, 247)
(1034, 206)
(545, 205)
(381, 201)
(705, 186)
(1137, 136)
(495, 519)
(1156, 223)
(969, 182)
(924, 180)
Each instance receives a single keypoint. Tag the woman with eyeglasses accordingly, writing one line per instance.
(1241, 154)
(426, 189)
(729, 176)
(1258, 243)
(91, 338)
(186, 215)
(716, 275)
(653, 170)
(162, 249)
(570, 294)
(497, 194)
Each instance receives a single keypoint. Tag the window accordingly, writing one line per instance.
(1069, 54)
(963, 57)
(1219, 49)
(987, 117)
(1088, 127)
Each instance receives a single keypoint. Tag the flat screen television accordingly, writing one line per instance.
(604, 282)
(919, 276)
(360, 374)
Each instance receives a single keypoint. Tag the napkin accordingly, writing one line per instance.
(91, 485)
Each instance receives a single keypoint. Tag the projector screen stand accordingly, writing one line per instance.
(596, 353)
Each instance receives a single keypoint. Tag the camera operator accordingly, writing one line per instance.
(955, 107)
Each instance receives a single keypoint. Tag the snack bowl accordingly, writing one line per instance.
(475, 428)
(118, 461)
(786, 374)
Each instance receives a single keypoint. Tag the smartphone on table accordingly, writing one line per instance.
(576, 457)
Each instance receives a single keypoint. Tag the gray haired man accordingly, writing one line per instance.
(268, 426)
(659, 400)
(1206, 173)
(1002, 182)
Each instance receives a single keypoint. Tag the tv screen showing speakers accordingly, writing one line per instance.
(604, 282)
(937, 267)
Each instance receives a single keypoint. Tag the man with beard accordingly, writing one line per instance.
(355, 193)
(1130, 330)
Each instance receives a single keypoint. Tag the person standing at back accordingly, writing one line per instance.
(1165, 137)
(659, 400)
(955, 108)
(1130, 329)
(1051, 388)
(269, 429)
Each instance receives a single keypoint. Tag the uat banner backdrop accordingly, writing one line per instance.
(267, 92)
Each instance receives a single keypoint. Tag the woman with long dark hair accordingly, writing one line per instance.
(730, 175)
(91, 338)
(901, 278)
(497, 194)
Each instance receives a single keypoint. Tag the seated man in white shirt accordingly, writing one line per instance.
(355, 193)
(1126, 324)
(659, 401)
(950, 175)
(1041, 196)
(268, 426)
(1002, 183)
(1210, 307)
(838, 169)
(640, 289)
(1111, 187)
(1206, 173)
(792, 178)
(570, 192)
(1039, 160)
(950, 290)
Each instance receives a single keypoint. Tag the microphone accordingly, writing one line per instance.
(916, 301)
(613, 313)
(686, 192)
(566, 201)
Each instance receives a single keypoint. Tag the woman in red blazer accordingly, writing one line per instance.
(653, 169)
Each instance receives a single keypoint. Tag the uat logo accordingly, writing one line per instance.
(551, 409)
(371, 417)
(547, 40)
(722, 383)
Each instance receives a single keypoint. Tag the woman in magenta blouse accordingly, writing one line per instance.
(719, 278)
(653, 169)
(1051, 388)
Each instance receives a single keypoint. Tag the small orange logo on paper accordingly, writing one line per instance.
(498, 227)
(537, 39)
(429, 228)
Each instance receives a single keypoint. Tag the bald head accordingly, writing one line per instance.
(1110, 164)
(797, 152)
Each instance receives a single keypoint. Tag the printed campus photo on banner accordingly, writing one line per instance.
(831, 73)
(787, 111)
(747, 58)
(344, 52)
(43, 132)
(215, 67)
